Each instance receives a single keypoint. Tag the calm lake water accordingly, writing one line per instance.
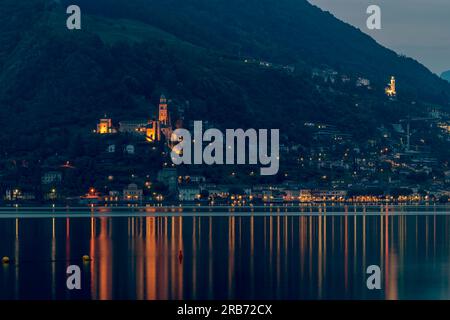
(322, 254)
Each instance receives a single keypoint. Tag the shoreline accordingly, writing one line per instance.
(234, 206)
(227, 211)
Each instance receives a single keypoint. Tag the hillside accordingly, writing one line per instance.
(59, 82)
(285, 31)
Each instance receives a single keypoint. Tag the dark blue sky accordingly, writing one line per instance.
(417, 28)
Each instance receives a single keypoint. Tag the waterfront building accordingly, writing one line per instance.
(188, 193)
(132, 193)
(90, 198)
(329, 195)
(216, 191)
(112, 197)
(18, 195)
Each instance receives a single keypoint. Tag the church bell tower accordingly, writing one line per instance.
(163, 116)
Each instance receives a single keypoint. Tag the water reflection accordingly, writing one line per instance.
(236, 257)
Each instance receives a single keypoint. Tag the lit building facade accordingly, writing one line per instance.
(391, 90)
(163, 111)
(105, 126)
(153, 130)
(132, 193)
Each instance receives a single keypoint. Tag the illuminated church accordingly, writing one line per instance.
(153, 130)
(391, 90)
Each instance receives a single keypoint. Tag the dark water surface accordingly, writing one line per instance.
(245, 256)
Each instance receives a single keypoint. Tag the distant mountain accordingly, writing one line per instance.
(446, 75)
(56, 83)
